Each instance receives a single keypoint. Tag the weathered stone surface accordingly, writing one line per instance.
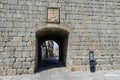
(8, 24)
(29, 59)
(19, 71)
(26, 65)
(33, 64)
(26, 54)
(10, 60)
(1, 49)
(26, 71)
(17, 65)
(8, 65)
(1, 5)
(1, 60)
(31, 71)
(17, 24)
(17, 39)
(11, 72)
(17, 54)
(20, 60)
(1, 66)
(2, 72)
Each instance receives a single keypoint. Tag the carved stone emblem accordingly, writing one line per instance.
(53, 15)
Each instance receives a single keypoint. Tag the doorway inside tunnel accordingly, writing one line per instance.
(46, 41)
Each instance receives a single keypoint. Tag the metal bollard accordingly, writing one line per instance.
(92, 61)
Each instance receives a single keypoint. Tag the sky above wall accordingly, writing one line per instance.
(55, 45)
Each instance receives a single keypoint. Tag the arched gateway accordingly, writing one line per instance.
(59, 35)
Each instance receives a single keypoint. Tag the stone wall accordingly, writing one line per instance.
(94, 26)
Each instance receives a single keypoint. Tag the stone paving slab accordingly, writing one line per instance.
(64, 74)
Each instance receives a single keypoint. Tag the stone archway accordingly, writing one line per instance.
(58, 35)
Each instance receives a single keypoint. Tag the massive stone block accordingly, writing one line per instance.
(26, 65)
(11, 72)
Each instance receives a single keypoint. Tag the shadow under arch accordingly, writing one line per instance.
(58, 35)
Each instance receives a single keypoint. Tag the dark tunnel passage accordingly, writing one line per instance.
(58, 35)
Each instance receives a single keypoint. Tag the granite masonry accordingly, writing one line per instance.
(78, 26)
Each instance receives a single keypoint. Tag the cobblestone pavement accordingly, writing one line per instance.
(64, 74)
